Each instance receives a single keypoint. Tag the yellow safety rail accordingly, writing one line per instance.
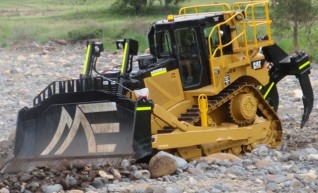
(253, 22)
(224, 6)
(221, 46)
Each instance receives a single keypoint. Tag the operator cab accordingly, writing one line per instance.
(185, 38)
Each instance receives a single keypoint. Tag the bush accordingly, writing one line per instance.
(84, 34)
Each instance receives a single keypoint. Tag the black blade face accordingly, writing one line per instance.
(71, 130)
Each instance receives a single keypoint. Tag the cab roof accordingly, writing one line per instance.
(194, 17)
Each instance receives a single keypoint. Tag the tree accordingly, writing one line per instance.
(293, 14)
(137, 4)
(168, 2)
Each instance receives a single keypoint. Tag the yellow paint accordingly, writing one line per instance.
(124, 58)
(203, 106)
(86, 59)
(304, 65)
(143, 108)
(156, 73)
(170, 18)
(268, 90)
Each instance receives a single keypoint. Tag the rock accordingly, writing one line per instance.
(85, 184)
(261, 150)
(67, 164)
(71, 181)
(92, 174)
(79, 164)
(221, 187)
(155, 189)
(192, 180)
(125, 164)
(293, 157)
(271, 186)
(98, 183)
(115, 173)
(181, 163)
(161, 165)
(202, 166)
(52, 188)
(264, 163)
(21, 58)
(105, 175)
(25, 177)
(140, 188)
(195, 171)
(311, 150)
(220, 157)
(173, 190)
(141, 174)
(33, 186)
(76, 191)
(313, 157)
(310, 176)
(4, 190)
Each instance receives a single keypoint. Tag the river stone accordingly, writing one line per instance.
(25, 177)
(52, 188)
(220, 157)
(161, 165)
(181, 163)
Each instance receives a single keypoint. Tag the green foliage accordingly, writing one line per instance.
(84, 34)
(291, 15)
(176, 2)
(41, 20)
(137, 4)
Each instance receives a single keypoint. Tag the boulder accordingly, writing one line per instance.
(161, 165)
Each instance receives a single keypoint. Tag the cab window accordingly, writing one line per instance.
(163, 42)
(188, 56)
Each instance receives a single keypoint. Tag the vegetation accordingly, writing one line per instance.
(291, 15)
(73, 20)
(120, 5)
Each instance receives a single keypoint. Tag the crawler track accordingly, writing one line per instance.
(220, 103)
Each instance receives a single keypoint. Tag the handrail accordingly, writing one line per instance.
(239, 4)
(221, 46)
(196, 7)
(249, 6)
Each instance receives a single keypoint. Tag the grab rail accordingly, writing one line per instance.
(221, 46)
(197, 7)
(253, 22)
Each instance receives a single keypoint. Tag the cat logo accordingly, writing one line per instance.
(90, 130)
(256, 65)
(216, 19)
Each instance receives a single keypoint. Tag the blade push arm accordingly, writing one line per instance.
(283, 64)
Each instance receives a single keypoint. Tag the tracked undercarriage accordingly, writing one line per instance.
(240, 111)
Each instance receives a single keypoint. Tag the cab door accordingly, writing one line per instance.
(191, 58)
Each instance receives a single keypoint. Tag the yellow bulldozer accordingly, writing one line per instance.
(208, 85)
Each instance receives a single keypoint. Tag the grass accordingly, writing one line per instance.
(42, 20)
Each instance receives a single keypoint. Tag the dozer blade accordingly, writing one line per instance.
(84, 125)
